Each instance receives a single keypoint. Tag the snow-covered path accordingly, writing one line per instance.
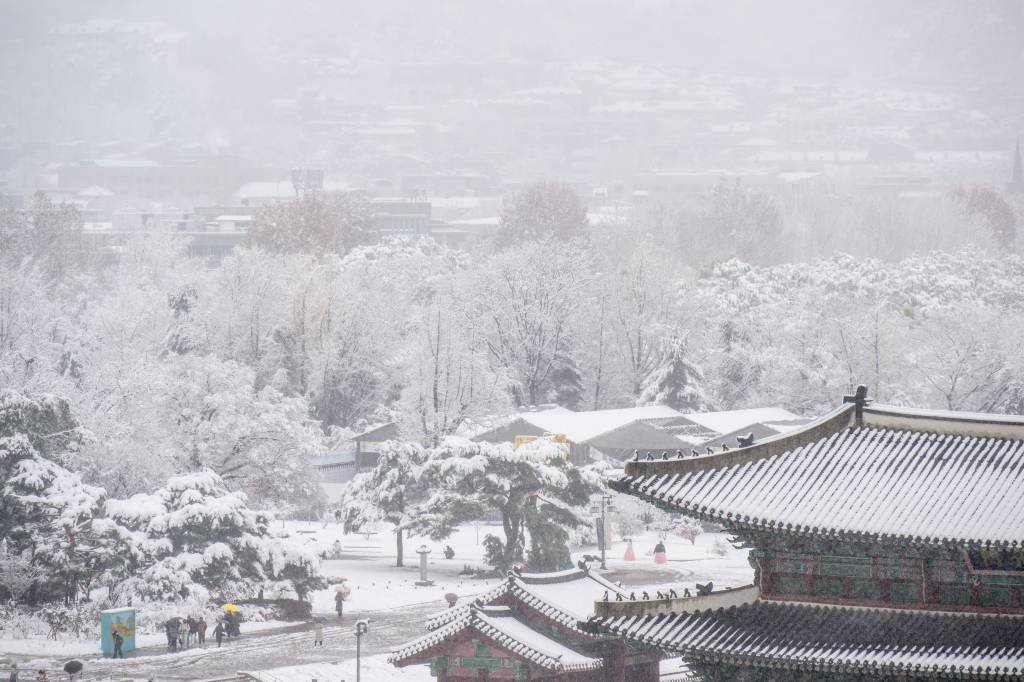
(292, 646)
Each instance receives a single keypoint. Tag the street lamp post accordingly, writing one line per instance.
(361, 627)
(602, 535)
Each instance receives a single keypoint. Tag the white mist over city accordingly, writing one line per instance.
(462, 341)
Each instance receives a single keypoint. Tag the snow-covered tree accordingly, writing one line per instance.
(449, 379)
(390, 492)
(258, 440)
(524, 302)
(566, 380)
(314, 222)
(688, 529)
(18, 574)
(676, 381)
(639, 306)
(542, 211)
(194, 537)
(46, 511)
(533, 487)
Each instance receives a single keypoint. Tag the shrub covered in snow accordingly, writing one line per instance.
(193, 538)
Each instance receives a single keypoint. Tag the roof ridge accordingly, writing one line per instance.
(976, 424)
(826, 425)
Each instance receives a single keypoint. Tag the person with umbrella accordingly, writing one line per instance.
(172, 627)
(341, 593)
(232, 618)
(73, 668)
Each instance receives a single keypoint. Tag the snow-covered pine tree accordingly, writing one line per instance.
(676, 381)
(547, 524)
(389, 492)
(566, 381)
(46, 511)
(195, 537)
(468, 480)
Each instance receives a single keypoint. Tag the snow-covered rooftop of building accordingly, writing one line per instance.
(581, 426)
(503, 619)
(905, 475)
(500, 624)
(878, 642)
(566, 597)
(725, 422)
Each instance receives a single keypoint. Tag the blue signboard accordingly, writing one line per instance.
(122, 620)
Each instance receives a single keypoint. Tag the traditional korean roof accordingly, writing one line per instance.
(871, 642)
(872, 472)
(500, 625)
(566, 597)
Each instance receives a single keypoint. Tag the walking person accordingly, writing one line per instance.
(318, 634)
(201, 631)
(339, 603)
(660, 557)
(193, 632)
(14, 673)
(118, 643)
(218, 632)
(172, 634)
(41, 676)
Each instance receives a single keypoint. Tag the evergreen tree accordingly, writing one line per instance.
(676, 381)
(468, 480)
(390, 492)
(193, 537)
(546, 525)
(566, 382)
(46, 511)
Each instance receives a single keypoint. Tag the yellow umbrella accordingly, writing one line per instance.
(232, 608)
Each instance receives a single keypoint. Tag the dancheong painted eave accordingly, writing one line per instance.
(500, 625)
(875, 473)
(868, 643)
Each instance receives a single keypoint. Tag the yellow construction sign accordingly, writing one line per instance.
(553, 437)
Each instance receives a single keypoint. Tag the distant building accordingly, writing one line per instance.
(456, 233)
(186, 183)
(592, 435)
(354, 455)
(655, 430)
(397, 217)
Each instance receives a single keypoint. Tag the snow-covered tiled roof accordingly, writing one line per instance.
(898, 475)
(868, 642)
(566, 597)
(501, 626)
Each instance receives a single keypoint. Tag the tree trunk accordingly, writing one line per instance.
(398, 547)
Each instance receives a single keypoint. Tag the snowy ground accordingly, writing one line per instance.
(395, 606)
(368, 564)
(372, 668)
